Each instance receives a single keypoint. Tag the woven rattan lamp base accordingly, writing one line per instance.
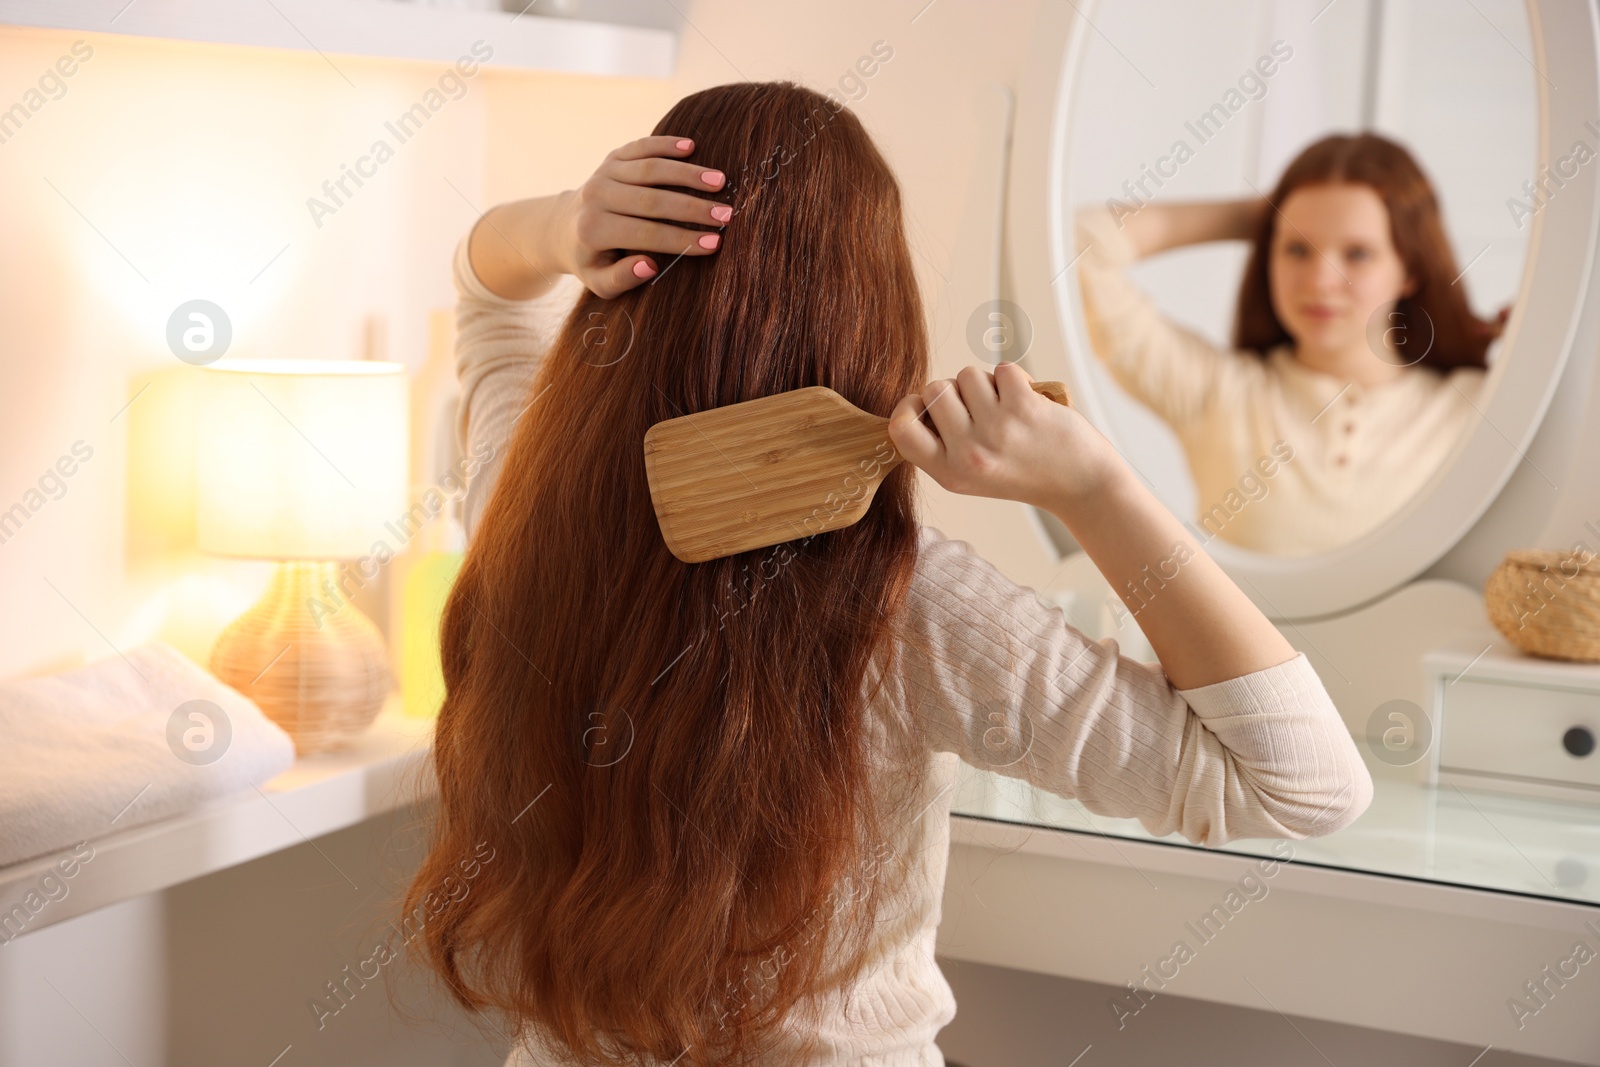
(313, 663)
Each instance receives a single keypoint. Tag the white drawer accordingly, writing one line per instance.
(1517, 730)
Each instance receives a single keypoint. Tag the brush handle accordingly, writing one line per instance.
(1054, 390)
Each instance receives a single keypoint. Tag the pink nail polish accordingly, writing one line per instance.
(642, 269)
(722, 212)
(711, 177)
(686, 144)
(709, 240)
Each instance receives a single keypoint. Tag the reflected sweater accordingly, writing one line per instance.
(1285, 459)
(983, 663)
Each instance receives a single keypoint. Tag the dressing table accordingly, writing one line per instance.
(1456, 897)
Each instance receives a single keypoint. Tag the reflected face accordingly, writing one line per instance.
(1333, 265)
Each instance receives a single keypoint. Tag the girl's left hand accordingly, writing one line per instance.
(619, 207)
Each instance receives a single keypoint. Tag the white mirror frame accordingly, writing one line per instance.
(1537, 339)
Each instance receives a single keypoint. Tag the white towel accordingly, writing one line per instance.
(97, 750)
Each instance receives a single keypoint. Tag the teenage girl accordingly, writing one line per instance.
(716, 795)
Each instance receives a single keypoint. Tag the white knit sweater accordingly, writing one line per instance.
(1000, 680)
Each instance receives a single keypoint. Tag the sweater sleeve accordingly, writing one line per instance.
(499, 344)
(996, 676)
(1166, 366)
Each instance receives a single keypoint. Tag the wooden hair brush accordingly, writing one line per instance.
(770, 470)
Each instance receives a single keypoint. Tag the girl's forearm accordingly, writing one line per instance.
(1202, 626)
(511, 248)
(1158, 227)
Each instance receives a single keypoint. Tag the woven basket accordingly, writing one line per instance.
(1547, 603)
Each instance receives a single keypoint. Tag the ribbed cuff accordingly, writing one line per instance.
(1259, 689)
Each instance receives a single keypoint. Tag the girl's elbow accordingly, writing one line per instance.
(1346, 802)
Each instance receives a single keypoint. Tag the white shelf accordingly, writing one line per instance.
(371, 28)
(316, 796)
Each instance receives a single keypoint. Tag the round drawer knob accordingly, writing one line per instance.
(1579, 740)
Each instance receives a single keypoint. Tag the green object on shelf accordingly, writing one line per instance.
(427, 587)
(427, 570)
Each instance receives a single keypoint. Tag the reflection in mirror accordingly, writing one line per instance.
(1298, 236)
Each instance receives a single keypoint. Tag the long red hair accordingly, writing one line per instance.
(674, 764)
(1436, 309)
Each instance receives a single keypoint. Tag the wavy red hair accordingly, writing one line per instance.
(676, 765)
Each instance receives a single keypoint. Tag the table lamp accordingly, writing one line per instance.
(304, 462)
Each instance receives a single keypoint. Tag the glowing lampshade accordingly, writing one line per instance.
(300, 459)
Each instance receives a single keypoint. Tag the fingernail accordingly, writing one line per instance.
(722, 212)
(686, 144)
(710, 240)
(711, 177)
(642, 269)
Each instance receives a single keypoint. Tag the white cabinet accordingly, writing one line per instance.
(1515, 723)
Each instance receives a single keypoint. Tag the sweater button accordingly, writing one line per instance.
(1341, 460)
(1349, 427)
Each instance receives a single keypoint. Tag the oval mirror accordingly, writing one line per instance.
(1317, 377)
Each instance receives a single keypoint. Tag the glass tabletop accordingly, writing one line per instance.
(1447, 834)
(1500, 840)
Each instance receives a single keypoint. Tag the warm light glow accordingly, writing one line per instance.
(190, 211)
(302, 459)
(310, 367)
(189, 609)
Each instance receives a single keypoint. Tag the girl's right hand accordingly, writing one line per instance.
(620, 206)
(994, 436)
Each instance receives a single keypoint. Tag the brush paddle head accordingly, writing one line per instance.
(770, 470)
